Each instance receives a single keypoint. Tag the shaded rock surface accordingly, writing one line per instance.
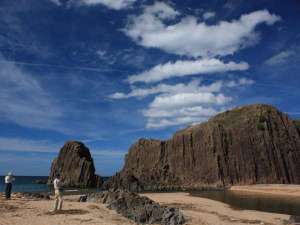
(75, 166)
(38, 196)
(247, 145)
(140, 209)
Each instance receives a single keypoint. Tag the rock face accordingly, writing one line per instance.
(140, 209)
(75, 166)
(247, 145)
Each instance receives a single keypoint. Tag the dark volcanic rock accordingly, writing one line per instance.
(82, 198)
(39, 196)
(247, 145)
(140, 209)
(75, 166)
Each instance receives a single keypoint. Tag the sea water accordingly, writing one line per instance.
(26, 184)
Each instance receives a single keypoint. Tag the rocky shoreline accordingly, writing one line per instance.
(138, 208)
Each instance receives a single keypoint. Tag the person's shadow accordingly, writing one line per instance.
(69, 212)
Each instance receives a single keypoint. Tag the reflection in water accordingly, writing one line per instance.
(253, 202)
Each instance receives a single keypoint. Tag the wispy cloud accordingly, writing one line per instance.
(112, 4)
(186, 68)
(223, 38)
(181, 103)
(56, 2)
(26, 102)
(28, 145)
(194, 86)
(17, 144)
(280, 58)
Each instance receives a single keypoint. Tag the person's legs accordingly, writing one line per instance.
(60, 201)
(8, 191)
(56, 201)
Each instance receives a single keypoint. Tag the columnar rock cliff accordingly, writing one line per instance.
(247, 145)
(75, 166)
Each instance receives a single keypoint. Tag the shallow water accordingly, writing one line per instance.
(241, 201)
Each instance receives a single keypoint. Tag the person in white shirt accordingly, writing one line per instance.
(8, 184)
(58, 193)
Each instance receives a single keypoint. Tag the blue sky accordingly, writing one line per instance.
(107, 72)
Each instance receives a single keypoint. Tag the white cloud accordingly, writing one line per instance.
(239, 82)
(161, 10)
(209, 15)
(24, 101)
(280, 58)
(183, 103)
(167, 122)
(180, 100)
(195, 111)
(193, 38)
(186, 68)
(183, 108)
(192, 87)
(112, 4)
(161, 118)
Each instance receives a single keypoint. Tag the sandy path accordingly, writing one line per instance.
(30, 212)
(202, 211)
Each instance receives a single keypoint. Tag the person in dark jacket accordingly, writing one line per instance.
(8, 184)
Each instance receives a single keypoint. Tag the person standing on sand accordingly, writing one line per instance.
(58, 193)
(8, 184)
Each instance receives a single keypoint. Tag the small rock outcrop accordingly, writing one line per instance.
(39, 196)
(254, 144)
(75, 166)
(138, 208)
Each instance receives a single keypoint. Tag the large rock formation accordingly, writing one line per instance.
(248, 145)
(75, 166)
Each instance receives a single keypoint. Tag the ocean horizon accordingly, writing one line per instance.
(28, 184)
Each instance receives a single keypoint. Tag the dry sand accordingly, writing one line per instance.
(198, 211)
(37, 212)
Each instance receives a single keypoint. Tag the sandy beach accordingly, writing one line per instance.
(38, 212)
(280, 190)
(197, 210)
(204, 211)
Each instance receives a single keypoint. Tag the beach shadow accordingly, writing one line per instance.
(68, 212)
